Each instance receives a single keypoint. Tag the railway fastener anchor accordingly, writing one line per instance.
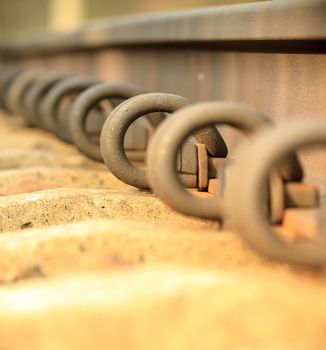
(249, 214)
(171, 134)
(80, 114)
(117, 124)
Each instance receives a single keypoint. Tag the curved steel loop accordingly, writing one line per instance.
(162, 152)
(34, 96)
(117, 124)
(247, 212)
(19, 88)
(51, 103)
(82, 106)
(7, 78)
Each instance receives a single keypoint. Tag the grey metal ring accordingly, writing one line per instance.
(247, 212)
(7, 78)
(85, 102)
(117, 124)
(162, 152)
(34, 96)
(52, 101)
(19, 88)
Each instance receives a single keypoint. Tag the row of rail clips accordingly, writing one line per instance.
(186, 157)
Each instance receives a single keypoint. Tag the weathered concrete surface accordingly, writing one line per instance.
(41, 178)
(106, 245)
(15, 134)
(59, 206)
(17, 159)
(23, 147)
(164, 308)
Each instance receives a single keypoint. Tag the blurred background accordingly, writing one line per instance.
(17, 16)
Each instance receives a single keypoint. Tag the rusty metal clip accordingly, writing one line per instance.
(246, 193)
(35, 95)
(7, 77)
(125, 114)
(65, 87)
(18, 89)
(163, 150)
(82, 106)
(117, 124)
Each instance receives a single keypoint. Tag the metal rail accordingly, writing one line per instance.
(256, 25)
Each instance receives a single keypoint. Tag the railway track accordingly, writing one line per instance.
(129, 194)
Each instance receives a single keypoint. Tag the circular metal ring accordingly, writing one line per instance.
(246, 210)
(117, 124)
(82, 106)
(51, 103)
(163, 149)
(6, 79)
(34, 96)
(19, 88)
